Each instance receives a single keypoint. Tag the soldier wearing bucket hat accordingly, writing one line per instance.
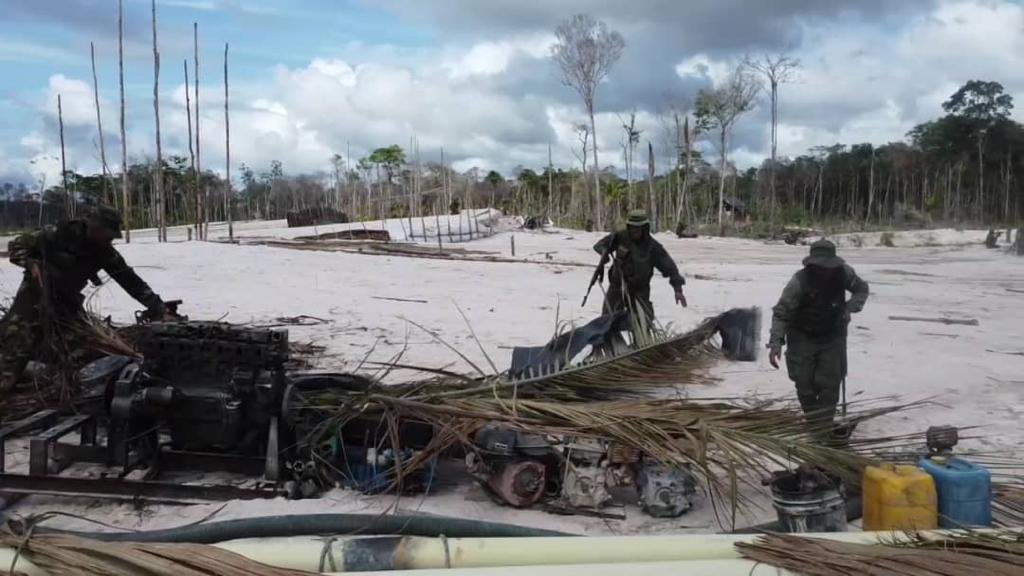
(811, 319)
(59, 261)
(635, 255)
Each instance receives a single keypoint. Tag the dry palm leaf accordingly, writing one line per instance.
(71, 555)
(1000, 554)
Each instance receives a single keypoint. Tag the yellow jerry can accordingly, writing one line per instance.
(899, 498)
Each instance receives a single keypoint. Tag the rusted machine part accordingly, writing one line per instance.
(519, 484)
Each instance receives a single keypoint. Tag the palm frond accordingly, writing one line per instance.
(913, 554)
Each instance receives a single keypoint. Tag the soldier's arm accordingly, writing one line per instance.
(606, 244)
(25, 249)
(667, 266)
(859, 288)
(782, 313)
(135, 286)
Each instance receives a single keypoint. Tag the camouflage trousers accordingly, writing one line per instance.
(619, 298)
(817, 368)
(23, 329)
(20, 334)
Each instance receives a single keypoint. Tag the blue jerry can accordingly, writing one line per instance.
(964, 489)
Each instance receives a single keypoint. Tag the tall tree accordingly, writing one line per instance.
(719, 108)
(777, 69)
(158, 177)
(126, 204)
(586, 50)
(228, 194)
(107, 194)
(69, 205)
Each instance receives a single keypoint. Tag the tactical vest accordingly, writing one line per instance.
(822, 310)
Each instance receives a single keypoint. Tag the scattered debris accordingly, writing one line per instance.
(315, 216)
(413, 300)
(352, 234)
(1015, 290)
(300, 320)
(1007, 352)
(940, 334)
(962, 321)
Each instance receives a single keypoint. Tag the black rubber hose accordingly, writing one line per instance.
(318, 524)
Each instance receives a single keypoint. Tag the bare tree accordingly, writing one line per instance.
(124, 142)
(107, 192)
(652, 205)
(69, 205)
(586, 50)
(719, 107)
(201, 197)
(227, 153)
(629, 150)
(777, 69)
(191, 149)
(158, 176)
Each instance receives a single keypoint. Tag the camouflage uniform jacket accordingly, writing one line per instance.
(635, 262)
(69, 260)
(798, 296)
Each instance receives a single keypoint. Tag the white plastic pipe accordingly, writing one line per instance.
(355, 554)
(683, 568)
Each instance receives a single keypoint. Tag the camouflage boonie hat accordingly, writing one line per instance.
(638, 218)
(823, 254)
(107, 218)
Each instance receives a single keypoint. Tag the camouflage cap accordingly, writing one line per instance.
(638, 218)
(107, 218)
(823, 253)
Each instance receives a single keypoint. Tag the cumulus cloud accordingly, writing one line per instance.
(490, 95)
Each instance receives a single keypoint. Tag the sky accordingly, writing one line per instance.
(313, 78)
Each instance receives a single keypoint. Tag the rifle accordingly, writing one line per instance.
(598, 275)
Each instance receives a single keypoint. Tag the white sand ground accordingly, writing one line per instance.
(976, 373)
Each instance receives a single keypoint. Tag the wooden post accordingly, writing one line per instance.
(68, 206)
(228, 196)
(108, 193)
(189, 230)
(1020, 241)
(437, 219)
(125, 198)
(512, 238)
(158, 176)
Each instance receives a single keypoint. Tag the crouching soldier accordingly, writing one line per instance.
(811, 319)
(58, 262)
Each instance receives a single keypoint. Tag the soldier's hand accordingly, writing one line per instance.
(37, 273)
(774, 354)
(680, 297)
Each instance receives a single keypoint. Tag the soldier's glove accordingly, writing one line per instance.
(680, 297)
(774, 354)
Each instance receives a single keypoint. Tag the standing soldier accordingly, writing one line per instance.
(635, 255)
(58, 262)
(811, 319)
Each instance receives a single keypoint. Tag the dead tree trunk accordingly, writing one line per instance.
(191, 149)
(200, 193)
(125, 198)
(158, 179)
(108, 192)
(227, 154)
(68, 206)
(653, 206)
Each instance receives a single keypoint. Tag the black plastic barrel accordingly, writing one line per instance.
(819, 507)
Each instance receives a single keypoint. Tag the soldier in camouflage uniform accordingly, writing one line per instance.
(811, 319)
(58, 262)
(635, 256)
